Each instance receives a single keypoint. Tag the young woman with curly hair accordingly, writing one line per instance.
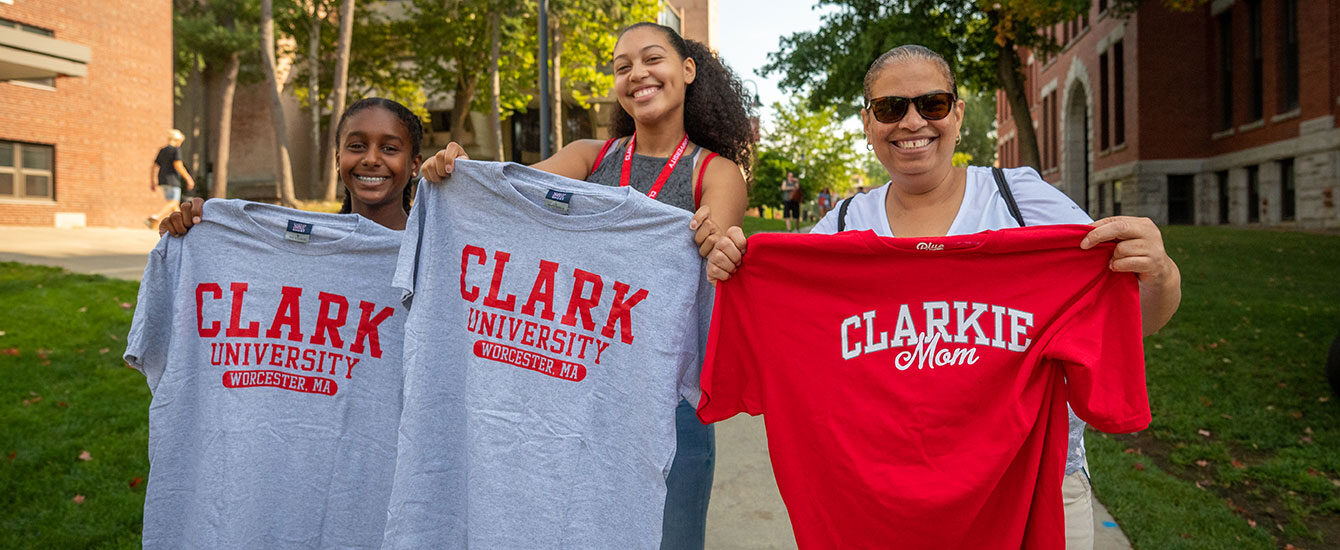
(676, 100)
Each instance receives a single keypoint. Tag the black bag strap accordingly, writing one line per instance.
(1005, 192)
(842, 214)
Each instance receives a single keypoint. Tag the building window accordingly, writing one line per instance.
(1288, 78)
(1054, 133)
(1102, 6)
(1253, 194)
(1104, 129)
(1044, 140)
(26, 170)
(1222, 178)
(1102, 199)
(439, 121)
(670, 18)
(1257, 109)
(1225, 70)
(1116, 198)
(1287, 187)
(1181, 199)
(1118, 95)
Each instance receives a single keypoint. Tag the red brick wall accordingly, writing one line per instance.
(107, 126)
(1170, 91)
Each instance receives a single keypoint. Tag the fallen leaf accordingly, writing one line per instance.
(2, 333)
(104, 351)
(13, 455)
(33, 400)
(1270, 407)
(1202, 463)
(1252, 523)
(85, 456)
(1296, 414)
(1226, 416)
(1214, 345)
(78, 499)
(62, 404)
(125, 305)
(1290, 547)
(46, 363)
(1203, 432)
(1138, 466)
(136, 482)
(1335, 482)
(1227, 360)
(1282, 385)
(12, 351)
(43, 353)
(1186, 535)
(1307, 430)
(83, 309)
(1322, 399)
(1305, 439)
(1202, 484)
(1239, 465)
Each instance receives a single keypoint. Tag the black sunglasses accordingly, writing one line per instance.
(891, 109)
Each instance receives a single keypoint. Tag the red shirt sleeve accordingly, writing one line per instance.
(730, 382)
(1099, 344)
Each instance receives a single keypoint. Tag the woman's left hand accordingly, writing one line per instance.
(705, 232)
(1140, 250)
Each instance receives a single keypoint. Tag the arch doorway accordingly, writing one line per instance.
(1075, 169)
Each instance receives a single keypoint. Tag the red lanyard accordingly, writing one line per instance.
(665, 172)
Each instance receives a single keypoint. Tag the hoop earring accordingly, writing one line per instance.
(869, 146)
(958, 139)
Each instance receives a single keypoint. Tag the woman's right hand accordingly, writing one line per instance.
(442, 163)
(179, 222)
(726, 255)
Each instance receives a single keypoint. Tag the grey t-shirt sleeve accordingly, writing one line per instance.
(690, 374)
(407, 263)
(152, 326)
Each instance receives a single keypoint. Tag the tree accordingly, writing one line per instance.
(338, 93)
(981, 39)
(979, 124)
(770, 169)
(814, 140)
(212, 37)
(583, 33)
(285, 165)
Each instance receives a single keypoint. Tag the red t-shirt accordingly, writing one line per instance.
(914, 390)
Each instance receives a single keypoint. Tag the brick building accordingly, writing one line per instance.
(85, 103)
(1223, 115)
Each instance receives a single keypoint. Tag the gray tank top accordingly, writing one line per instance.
(678, 189)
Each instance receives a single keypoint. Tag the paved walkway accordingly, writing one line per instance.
(746, 510)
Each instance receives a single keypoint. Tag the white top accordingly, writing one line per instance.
(983, 209)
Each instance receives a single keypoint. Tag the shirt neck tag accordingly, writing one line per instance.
(558, 201)
(299, 232)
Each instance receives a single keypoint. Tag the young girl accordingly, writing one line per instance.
(377, 150)
(683, 137)
(240, 415)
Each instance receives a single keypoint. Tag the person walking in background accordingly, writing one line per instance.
(168, 172)
(825, 202)
(791, 200)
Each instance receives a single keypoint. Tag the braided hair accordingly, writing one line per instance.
(716, 105)
(412, 125)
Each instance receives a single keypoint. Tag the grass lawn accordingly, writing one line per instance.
(754, 224)
(1243, 452)
(1244, 448)
(64, 391)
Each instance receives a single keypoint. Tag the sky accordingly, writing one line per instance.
(748, 30)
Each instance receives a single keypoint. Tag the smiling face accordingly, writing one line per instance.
(913, 148)
(375, 157)
(650, 77)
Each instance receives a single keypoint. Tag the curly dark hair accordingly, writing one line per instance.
(412, 124)
(717, 108)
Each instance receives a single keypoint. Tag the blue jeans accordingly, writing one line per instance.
(171, 192)
(689, 485)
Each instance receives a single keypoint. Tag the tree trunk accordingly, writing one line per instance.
(460, 110)
(314, 96)
(223, 126)
(556, 89)
(337, 92)
(1007, 70)
(495, 86)
(285, 166)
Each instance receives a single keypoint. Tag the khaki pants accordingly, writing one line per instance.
(1078, 497)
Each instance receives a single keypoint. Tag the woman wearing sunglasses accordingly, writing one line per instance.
(912, 121)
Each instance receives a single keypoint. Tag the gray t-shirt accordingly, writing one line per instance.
(555, 325)
(275, 367)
